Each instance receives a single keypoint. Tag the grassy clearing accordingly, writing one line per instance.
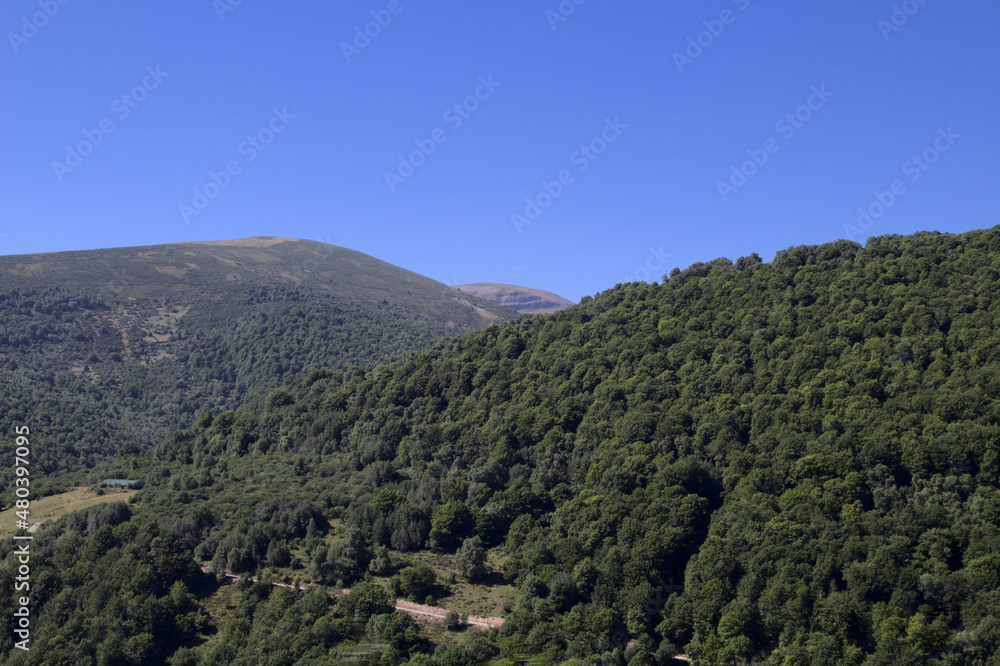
(55, 507)
(484, 599)
(481, 600)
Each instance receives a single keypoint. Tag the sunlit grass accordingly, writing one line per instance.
(55, 507)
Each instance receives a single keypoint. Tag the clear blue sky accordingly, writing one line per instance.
(608, 71)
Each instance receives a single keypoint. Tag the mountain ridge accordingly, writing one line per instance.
(156, 333)
(323, 266)
(524, 300)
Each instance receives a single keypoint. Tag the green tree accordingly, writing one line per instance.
(364, 600)
(398, 631)
(450, 524)
(471, 559)
(416, 583)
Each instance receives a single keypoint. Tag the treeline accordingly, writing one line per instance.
(792, 462)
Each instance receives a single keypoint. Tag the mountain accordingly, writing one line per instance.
(215, 270)
(524, 300)
(104, 349)
(784, 462)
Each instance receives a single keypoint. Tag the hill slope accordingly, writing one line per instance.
(524, 300)
(107, 348)
(794, 462)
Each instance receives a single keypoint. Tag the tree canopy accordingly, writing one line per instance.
(792, 462)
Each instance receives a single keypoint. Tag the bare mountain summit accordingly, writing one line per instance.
(520, 299)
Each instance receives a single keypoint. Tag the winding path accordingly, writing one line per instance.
(418, 611)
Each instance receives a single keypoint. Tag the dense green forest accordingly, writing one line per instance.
(146, 338)
(785, 463)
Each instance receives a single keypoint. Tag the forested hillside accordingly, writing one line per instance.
(784, 463)
(113, 350)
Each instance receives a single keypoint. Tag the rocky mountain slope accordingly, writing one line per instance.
(524, 300)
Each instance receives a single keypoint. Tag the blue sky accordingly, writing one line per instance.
(591, 143)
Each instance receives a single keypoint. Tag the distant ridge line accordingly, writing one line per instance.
(525, 300)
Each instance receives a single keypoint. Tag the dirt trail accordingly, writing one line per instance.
(418, 611)
(436, 614)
